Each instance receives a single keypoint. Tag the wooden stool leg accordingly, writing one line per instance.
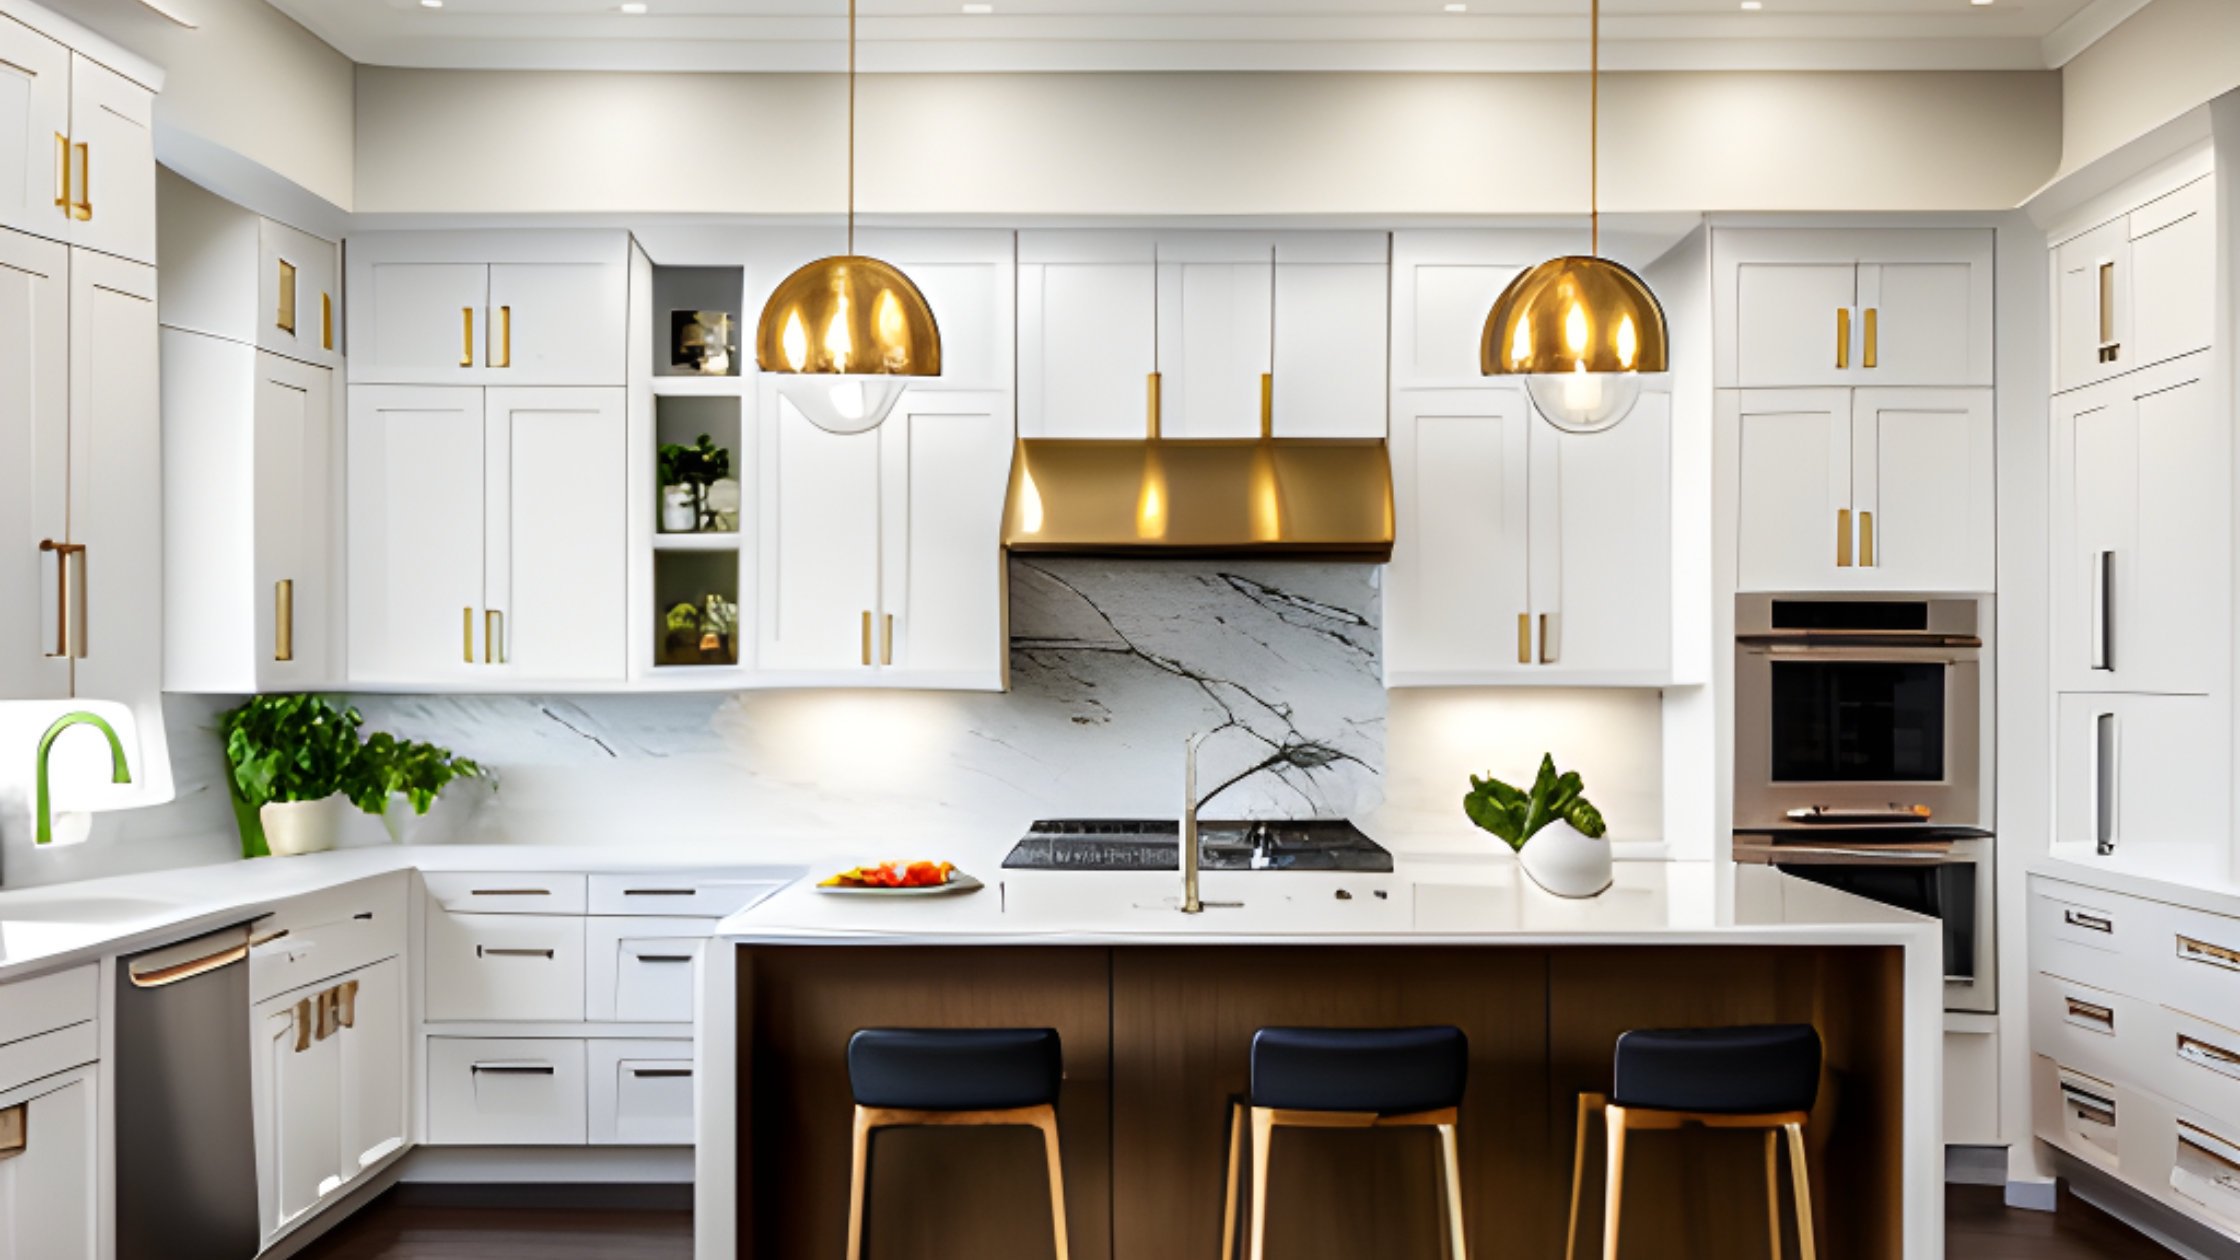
(1263, 1129)
(1453, 1181)
(1614, 1130)
(855, 1184)
(1046, 1120)
(1229, 1200)
(1803, 1183)
(1588, 1104)
(1773, 1192)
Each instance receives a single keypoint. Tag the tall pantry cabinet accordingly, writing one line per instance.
(81, 571)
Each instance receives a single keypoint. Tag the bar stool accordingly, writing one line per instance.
(1752, 1077)
(954, 1076)
(1348, 1078)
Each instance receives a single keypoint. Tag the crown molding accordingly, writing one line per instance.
(2087, 27)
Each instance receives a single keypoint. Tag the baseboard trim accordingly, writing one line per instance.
(2158, 1221)
(1975, 1165)
(641, 1196)
(335, 1213)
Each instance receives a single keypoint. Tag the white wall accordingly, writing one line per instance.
(2162, 61)
(439, 141)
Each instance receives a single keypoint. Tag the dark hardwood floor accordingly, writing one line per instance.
(1978, 1226)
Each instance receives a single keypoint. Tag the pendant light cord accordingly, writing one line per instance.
(852, 126)
(1594, 129)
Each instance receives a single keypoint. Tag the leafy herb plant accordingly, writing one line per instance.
(698, 466)
(305, 748)
(1517, 816)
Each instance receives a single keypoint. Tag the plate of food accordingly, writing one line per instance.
(900, 879)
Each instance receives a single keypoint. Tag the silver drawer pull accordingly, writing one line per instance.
(2088, 1011)
(2091, 1111)
(660, 1071)
(663, 958)
(514, 1069)
(2089, 922)
(2191, 950)
(511, 892)
(2215, 1058)
(660, 892)
(485, 951)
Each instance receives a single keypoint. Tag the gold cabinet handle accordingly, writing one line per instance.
(1546, 657)
(284, 620)
(1843, 337)
(867, 636)
(493, 638)
(505, 338)
(326, 321)
(1869, 359)
(15, 1131)
(466, 619)
(886, 641)
(1524, 638)
(1151, 406)
(1268, 405)
(62, 173)
(346, 1004)
(69, 618)
(284, 313)
(82, 208)
(303, 1025)
(1843, 538)
(1866, 535)
(466, 336)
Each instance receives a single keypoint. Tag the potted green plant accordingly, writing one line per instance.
(296, 763)
(1558, 835)
(686, 474)
(394, 774)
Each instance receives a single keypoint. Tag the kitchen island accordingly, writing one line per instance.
(1156, 1010)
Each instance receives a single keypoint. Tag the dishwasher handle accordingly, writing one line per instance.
(221, 949)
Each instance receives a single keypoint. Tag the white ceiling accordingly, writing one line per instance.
(1145, 35)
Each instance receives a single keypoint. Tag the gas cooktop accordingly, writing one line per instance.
(1135, 844)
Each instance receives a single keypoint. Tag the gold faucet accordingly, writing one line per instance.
(120, 772)
(1189, 837)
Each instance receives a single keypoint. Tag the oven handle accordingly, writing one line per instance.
(1923, 655)
(1871, 856)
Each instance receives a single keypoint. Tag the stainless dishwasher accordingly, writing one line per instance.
(186, 1138)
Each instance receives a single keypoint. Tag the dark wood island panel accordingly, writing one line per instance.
(1157, 1039)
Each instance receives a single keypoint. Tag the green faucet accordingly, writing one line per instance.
(121, 774)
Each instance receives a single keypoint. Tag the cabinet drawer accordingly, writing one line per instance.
(641, 970)
(505, 1091)
(2089, 1030)
(2204, 1169)
(31, 1007)
(2193, 1060)
(322, 935)
(504, 966)
(506, 892)
(688, 894)
(22, 1062)
(641, 1093)
(2087, 935)
(2190, 959)
(47, 1190)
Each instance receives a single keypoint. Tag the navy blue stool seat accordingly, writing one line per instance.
(954, 1076)
(1761, 1076)
(1355, 1078)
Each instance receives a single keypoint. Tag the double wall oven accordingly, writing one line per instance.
(1859, 753)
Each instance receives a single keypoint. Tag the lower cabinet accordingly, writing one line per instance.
(329, 1084)
(506, 1091)
(641, 1093)
(47, 1168)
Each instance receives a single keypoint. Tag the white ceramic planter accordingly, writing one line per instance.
(680, 512)
(293, 828)
(1565, 862)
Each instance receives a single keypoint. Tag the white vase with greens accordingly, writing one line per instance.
(1559, 837)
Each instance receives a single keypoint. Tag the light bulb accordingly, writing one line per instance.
(844, 404)
(1584, 402)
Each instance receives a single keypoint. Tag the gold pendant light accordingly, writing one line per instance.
(1580, 330)
(851, 330)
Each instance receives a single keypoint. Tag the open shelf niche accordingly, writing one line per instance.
(698, 313)
(696, 575)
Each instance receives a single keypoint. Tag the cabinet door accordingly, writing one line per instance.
(298, 295)
(294, 590)
(1087, 311)
(34, 125)
(299, 1083)
(373, 1076)
(1457, 605)
(2173, 288)
(2139, 518)
(2092, 306)
(556, 324)
(2146, 776)
(947, 462)
(34, 458)
(1602, 546)
(555, 526)
(47, 1197)
(1924, 494)
(423, 324)
(819, 576)
(1795, 323)
(1916, 323)
(1331, 347)
(113, 147)
(116, 494)
(416, 534)
(1215, 321)
(1794, 511)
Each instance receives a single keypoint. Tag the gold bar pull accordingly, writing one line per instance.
(886, 642)
(493, 638)
(62, 172)
(284, 315)
(505, 337)
(284, 620)
(15, 1131)
(346, 1004)
(467, 620)
(1151, 414)
(1866, 536)
(69, 629)
(82, 209)
(1843, 337)
(1868, 359)
(2108, 347)
(1524, 638)
(323, 1007)
(466, 336)
(867, 636)
(1545, 657)
(303, 1025)
(1267, 406)
(1843, 538)
(326, 321)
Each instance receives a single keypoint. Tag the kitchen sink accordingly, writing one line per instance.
(1134, 844)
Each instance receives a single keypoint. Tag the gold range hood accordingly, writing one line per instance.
(1267, 496)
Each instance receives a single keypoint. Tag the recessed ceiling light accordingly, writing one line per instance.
(1753, 5)
(431, 4)
(979, 8)
(633, 8)
(1458, 8)
(1979, 2)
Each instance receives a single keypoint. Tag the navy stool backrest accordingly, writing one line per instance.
(1390, 1071)
(1750, 1070)
(955, 1069)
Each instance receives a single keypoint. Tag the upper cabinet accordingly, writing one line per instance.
(488, 308)
(231, 273)
(1218, 334)
(1899, 307)
(77, 148)
(34, 461)
(2136, 290)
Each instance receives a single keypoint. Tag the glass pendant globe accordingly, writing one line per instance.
(843, 404)
(1583, 402)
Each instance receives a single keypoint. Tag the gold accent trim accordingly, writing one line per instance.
(466, 336)
(62, 173)
(2090, 1010)
(303, 1025)
(886, 641)
(1866, 532)
(326, 321)
(1524, 638)
(323, 1009)
(1043, 1118)
(161, 976)
(284, 303)
(69, 631)
(1267, 406)
(2191, 950)
(1843, 337)
(867, 636)
(1151, 407)
(1868, 360)
(82, 208)
(284, 620)
(493, 638)
(466, 617)
(1843, 538)
(505, 337)
(1574, 314)
(1545, 658)
(2107, 304)
(15, 1131)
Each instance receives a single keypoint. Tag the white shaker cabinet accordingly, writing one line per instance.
(1457, 595)
(1895, 307)
(113, 163)
(1602, 547)
(2144, 778)
(1216, 325)
(2137, 290)
(819, 571)
(34, 459)
(329, 1089)
(486, 537)
(1088, 320)
(34, 131)
(232, 273)
(521, 308)
(1332, 333)
(2140, 518)
(48, 1202)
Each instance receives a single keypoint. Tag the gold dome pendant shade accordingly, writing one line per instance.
(857, 324)
(1580, 331)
